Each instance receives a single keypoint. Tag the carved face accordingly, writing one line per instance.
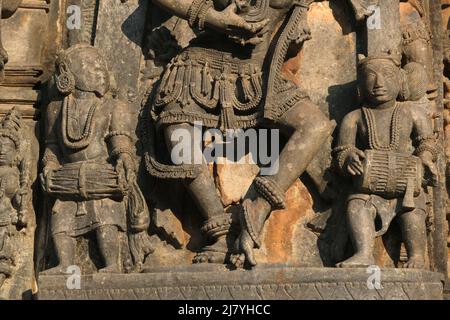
(8, 151)
(380, 81)
(90, 72)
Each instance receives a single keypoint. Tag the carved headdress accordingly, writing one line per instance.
(394, 57)
(11, 126)
(65, 79)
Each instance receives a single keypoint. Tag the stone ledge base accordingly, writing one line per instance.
(262, 283)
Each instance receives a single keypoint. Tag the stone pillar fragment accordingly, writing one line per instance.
(383, 32)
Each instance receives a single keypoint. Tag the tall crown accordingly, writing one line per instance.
(389, 55)
(11, 126)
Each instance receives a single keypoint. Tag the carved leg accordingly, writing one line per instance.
(109, 246)
(307, 128)
(65, 250)
(2, 279)
(413, 228)
(361, 224)
(203, 191)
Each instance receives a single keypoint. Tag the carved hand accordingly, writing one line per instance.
(432, 172)
(46, 172)
(229, 22)
(353, 162)
(125, 166)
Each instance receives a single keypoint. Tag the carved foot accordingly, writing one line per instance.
(244, 246)
(215, 253)
(357, 261)
(111, 269)
(254, 214)
(415, 262)
(60, 269)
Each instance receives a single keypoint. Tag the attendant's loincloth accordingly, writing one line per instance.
(387, 209)
(78, 218)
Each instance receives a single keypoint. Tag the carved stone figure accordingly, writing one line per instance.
(416, 40)
(221, 79)
(7, 8)
(89, 166)
(14, 190)
(388, 167)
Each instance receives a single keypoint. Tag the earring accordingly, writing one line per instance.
(65, 81)
(404, 86)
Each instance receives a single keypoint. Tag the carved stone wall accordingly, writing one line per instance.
(300, 243)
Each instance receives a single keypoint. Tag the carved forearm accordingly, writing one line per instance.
(179, 8)
(51, 156)
(120, 143)
(341, 154)
(198, 13)
(427, 144)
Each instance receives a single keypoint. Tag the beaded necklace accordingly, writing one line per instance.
(71, 139)
(374, 142)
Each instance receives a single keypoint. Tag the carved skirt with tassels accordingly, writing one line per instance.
(209, 86)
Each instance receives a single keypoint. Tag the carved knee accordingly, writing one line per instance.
(310, 120)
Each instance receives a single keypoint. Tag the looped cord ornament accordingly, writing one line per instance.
(65, 81)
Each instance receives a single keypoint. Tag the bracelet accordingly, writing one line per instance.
(341, 154)
(197, 13)
(119, 150)
(270, 191)
(202, 14)
(49, 157)
(117, 133)
(426, 147)
(193, 12)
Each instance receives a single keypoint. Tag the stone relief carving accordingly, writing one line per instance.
(89, 167)
(15, 198)
(200, 84)
(112, 201)
(375, 147)
(7, 8)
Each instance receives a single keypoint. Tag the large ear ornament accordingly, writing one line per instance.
(404, 85)
(65, 81)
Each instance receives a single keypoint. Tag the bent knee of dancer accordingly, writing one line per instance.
(310, 120)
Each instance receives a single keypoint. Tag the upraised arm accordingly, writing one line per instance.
(179, 8)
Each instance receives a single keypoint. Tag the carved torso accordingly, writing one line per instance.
(386, 129)
(274, 10)
(9, 185)
(88, 120)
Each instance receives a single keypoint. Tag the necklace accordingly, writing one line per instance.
(72, 140)
(394, 138)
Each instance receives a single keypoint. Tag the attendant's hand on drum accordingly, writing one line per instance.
(353, 163)
(46, 173)
(125, 166)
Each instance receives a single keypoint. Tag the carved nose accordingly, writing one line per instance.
(379, 83)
